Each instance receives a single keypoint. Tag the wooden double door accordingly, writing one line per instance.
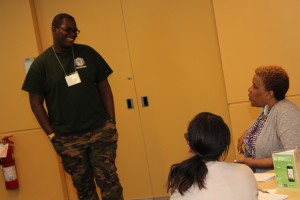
(167, 68)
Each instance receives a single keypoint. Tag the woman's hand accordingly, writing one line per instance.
(250, 162)
(241, 143)
(257, 163)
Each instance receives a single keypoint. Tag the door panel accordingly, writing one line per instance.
(176, 64)
(102, 27)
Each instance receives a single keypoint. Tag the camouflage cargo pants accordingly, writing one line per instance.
(91, 156)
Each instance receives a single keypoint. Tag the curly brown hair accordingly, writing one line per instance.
(275, 79)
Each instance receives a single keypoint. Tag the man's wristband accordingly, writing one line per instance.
(51, 136)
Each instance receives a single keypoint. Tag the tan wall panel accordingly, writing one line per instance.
(255, 33)
(17, 43)
(37, 167)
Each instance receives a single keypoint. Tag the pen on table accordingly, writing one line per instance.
(263, 191)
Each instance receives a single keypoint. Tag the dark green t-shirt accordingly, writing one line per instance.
(71, 109)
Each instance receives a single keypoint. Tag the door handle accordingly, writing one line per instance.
(130, 103)
(145, 102)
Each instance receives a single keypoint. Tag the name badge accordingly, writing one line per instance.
(73, 79)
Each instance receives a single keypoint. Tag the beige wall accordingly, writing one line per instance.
(37, 165)
(199, 70)
(17, 43)
(251, 34)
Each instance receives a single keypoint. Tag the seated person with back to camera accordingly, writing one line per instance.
(203, 176)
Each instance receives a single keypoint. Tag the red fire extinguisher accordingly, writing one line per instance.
(9, 165)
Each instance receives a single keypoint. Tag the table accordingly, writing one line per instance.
(293, 193)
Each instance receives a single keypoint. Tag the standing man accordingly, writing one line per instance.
(80, 122)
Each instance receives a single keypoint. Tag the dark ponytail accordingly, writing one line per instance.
(208, 137)
(183, 175)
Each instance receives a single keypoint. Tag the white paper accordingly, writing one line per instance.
(267, 196)
(263, 177)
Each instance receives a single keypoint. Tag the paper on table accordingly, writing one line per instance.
(268, 196)
(262, 177)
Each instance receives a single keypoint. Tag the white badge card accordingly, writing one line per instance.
(73, 79)
(3, 150)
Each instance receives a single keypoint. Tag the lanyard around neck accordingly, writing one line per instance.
(60, 62)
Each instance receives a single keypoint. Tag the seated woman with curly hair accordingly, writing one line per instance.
(278, 125)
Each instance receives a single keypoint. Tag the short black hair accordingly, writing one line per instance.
(57, 20)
